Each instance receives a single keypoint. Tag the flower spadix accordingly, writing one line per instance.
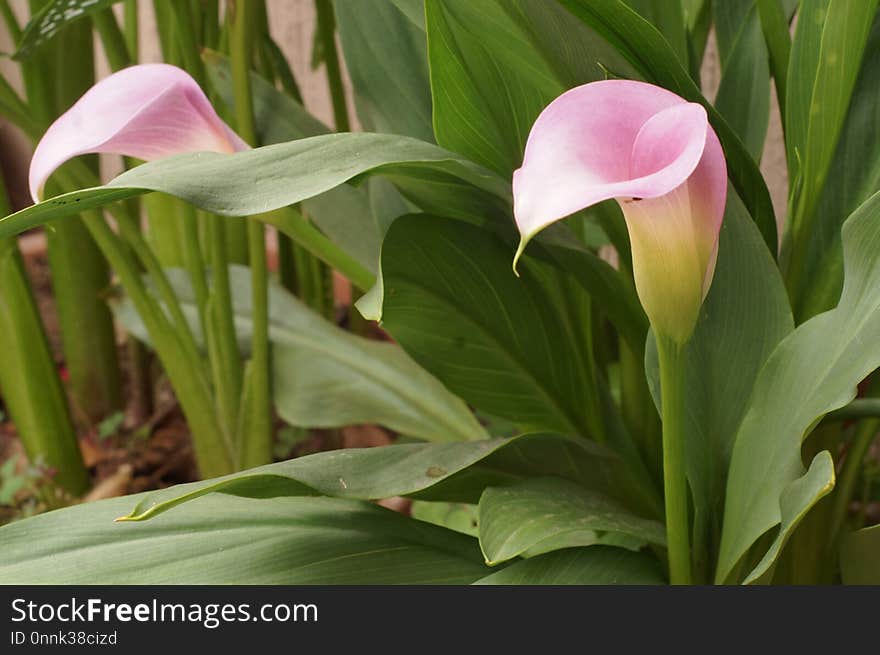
(148, 111)
(656, 154)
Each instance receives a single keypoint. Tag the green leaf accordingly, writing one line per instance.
(774, 25)
(745, 315)
(605, 285)
(271, 177)
(460, 517)
(668, 18)
(496, 64)
(646, 49)
(449, 472)
(324, 376)
(744, 93)
(813, 371)
(859, 561)
(595, 565)
(854, 175)
(825, 59)
(53, 17)
(545, 514)
(228, 540)
(389, 75)
(797, 499)
(499, 341)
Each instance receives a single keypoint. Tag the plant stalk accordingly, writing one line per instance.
(32, 390)
(256, 440)
(327, 33)
(672, 357)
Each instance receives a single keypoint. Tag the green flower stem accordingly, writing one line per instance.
(256, 439)
(327, 35)
(11, 21)
(32, 390)
(292, 223)
(115, 48)
(673, 411)
(222, 342)
(130, 26)
(187, 39)
(193, 260)
(210, 23)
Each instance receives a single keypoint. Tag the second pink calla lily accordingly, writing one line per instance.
(657, 155)
(149, 112)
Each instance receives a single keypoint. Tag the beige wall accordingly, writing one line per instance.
(292, 23)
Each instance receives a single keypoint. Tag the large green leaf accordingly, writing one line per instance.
(854, 175)
(228, 540)
(496, 64)
(499, 341)
(595, 565)
(544, 514)
(744, 317)
(811, 372)
(825, 59)
(267, 178)
(453, 472)
(744, 93)
(646, 49)
(389, 74)
(860, 557)
(324, 376)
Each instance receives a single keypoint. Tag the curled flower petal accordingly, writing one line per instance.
(148, 111)
(657, 155)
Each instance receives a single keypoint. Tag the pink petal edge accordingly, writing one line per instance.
(603, 140)
(148, 111)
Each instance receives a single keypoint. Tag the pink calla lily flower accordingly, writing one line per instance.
(149, 111)
(657, 155)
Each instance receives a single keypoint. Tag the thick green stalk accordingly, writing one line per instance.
(256, 442)
(211, 23)
(115, 48)
(167, 32)
(187, 39)
(11, 21)
(327, 34)
(222, 342)
(673, 406)
(130, 27)
(32, 390)
(193, 260)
